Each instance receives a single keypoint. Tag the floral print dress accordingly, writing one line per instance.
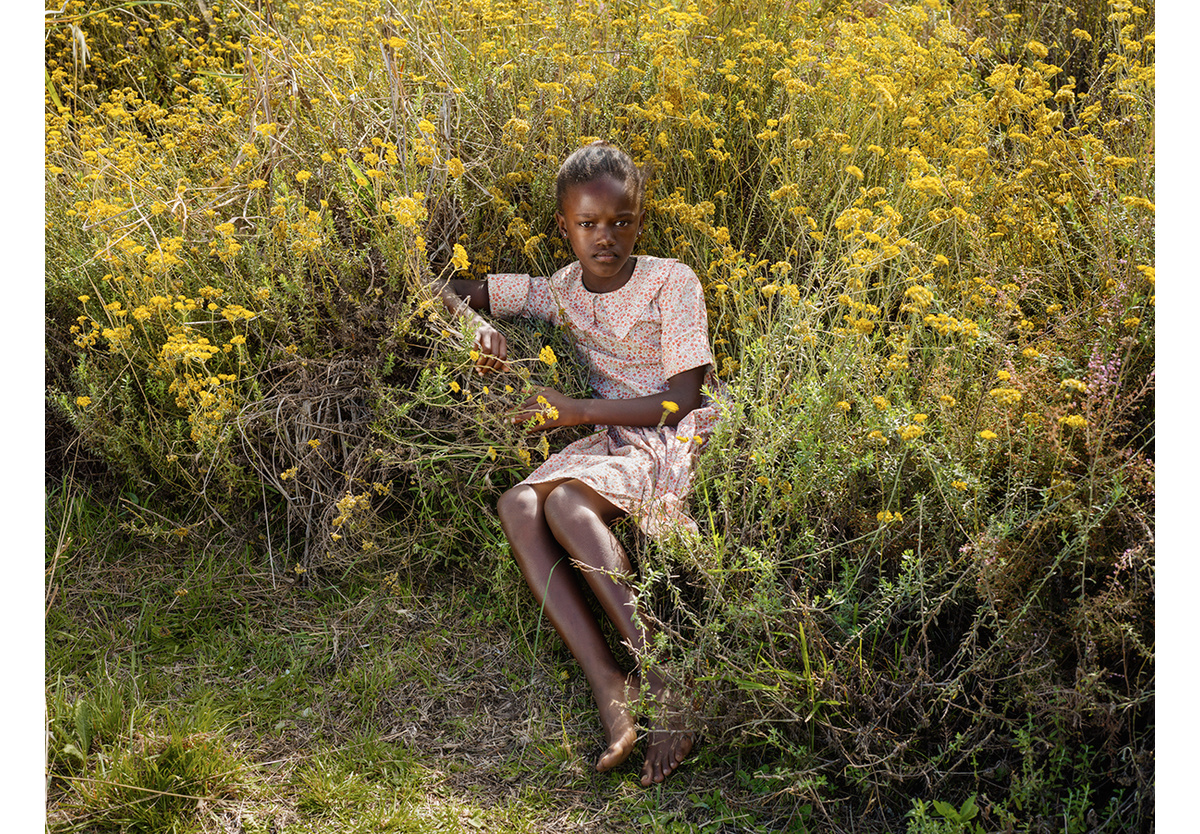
(633, 340)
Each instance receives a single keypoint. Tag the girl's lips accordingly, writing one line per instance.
(605, 256)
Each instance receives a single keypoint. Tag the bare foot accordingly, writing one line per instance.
(668, 742)
(620, 730)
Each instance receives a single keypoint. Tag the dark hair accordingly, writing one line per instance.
(601, 159)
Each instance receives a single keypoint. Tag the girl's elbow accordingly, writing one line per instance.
(686, 405)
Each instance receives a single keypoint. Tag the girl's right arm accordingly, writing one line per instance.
(462, 297)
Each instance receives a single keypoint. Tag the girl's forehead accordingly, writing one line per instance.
(602, 193)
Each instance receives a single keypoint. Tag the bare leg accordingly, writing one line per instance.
(579, 518)
(555, 585)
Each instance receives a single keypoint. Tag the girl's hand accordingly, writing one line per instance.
(493, 349)
(549, 409)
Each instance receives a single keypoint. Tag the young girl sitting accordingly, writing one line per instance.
(640, 325)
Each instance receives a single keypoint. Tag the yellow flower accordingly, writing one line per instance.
(988, 434)
(881, 403)
(303, 176)
(1074, 421)
(314, 443)
(547, 356)
(1070, 384)
(456, 167)
(670, 406)
(455, 387)
(843, 405)
(948, 401)
(460, 260)
(548, 412)
(83, 402)
(910, 432)
(959, 485)
(1005, 396)
(491, 452)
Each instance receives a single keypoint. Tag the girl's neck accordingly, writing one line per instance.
(600, 286)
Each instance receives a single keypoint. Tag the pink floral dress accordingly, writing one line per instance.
(633, 340)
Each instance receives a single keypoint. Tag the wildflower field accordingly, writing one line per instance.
(277, 594)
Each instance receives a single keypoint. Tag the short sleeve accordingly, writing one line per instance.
(512, 295)
(684, 322)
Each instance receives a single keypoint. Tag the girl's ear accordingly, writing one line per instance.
(562, 222)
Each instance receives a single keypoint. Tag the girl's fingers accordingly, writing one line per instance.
(527, 410)
(493, 350)
(488, 362)
(543, 408)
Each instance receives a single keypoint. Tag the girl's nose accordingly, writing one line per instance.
(606, 234)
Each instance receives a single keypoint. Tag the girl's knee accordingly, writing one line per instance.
(574, 506)
(565, 504)
(517, 506)
(576, 501)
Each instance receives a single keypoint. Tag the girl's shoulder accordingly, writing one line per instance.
(667, 274)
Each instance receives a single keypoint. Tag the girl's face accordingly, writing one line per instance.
(602, 221)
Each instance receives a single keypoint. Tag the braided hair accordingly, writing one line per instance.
(601, 159)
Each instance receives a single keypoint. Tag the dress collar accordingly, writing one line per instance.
(624, 306)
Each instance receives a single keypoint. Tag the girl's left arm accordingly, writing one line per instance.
(463, 297)
(682, 394)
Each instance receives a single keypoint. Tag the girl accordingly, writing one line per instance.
(640, 325)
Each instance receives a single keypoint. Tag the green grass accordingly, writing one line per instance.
(378, 704)
(364, 706)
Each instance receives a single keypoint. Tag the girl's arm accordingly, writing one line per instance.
(462, 297)
(683, 391)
